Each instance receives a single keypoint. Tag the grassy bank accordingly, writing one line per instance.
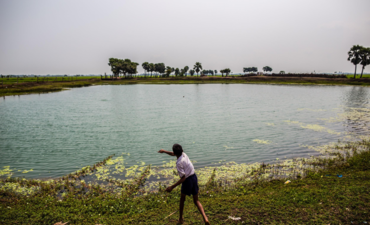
(332, 189)
(44, 86)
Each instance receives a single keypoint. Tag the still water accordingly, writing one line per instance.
(57, 133)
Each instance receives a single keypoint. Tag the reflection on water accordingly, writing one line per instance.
(357, 97)
(55, 134)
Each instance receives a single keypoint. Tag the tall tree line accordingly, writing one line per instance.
(154, 67)
(120, 66)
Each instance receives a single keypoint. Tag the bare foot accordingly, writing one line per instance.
(181, 221)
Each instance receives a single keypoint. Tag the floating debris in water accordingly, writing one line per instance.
(261, 141)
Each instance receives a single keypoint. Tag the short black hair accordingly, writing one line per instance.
(177, 149)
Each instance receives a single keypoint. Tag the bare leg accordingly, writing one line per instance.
(200, 208)
(182, 201)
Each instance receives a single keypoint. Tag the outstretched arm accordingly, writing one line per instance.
(170, 188)
(167, 152)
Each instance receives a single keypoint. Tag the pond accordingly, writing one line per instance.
(57, 133)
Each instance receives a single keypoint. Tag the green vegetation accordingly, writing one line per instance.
(332, 189)
(363, 76)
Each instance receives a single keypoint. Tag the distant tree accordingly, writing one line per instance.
(215, 72)
(132, 68)
(226, 71)
(186, 69)
(206, 72)
(160, 68)
(250, 69)
(114, 63)
(282, 72)
(192, 72)
(177, 72)
(254, 69)
(125, 66)
(222, 72)
(151, 68)
(354, 56)
(168, 71)
(197, 67)
(267, 69)
(365, 58)
(122, 66)
(145, 66)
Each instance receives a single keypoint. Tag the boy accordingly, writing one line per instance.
(188, 180)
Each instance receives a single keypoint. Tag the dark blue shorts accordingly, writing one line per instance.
(190, 185)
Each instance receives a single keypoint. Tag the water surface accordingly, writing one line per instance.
(57, 133)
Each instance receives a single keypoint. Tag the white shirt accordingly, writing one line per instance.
(184, 166)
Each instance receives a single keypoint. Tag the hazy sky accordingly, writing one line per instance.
(79, 36)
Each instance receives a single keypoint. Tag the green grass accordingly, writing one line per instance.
(358, 76)
(317, 197)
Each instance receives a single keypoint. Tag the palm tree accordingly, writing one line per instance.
(198, 67)
(186, 68)
(354, 56)
(365, 58)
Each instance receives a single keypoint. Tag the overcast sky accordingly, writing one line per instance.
(79, 36)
